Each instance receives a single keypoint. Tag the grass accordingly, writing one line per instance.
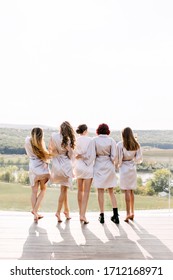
(149, 153)
(14, 159)
(158, 155)
(17, 197)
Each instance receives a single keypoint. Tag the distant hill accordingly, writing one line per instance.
(162, 139)
(12, 137)
(24, 126)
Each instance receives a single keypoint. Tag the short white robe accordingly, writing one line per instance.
(83, 167)
(61, 169)
(126, 161)
(104, 168)
(38, 169)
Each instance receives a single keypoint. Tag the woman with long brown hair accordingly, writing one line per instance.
(128, 155)
(38, 168)
(61, 146)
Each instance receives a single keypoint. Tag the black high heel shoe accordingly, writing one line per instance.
(101, 218)
(115, 219)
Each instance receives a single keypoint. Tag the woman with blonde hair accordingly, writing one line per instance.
(61, 146)
(38, 168)
(128, 155)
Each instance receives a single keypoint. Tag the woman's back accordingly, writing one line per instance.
(55, 144)
(28, 148)
(103, 144)
(82, 144)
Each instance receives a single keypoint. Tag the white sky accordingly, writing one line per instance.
(87, 62)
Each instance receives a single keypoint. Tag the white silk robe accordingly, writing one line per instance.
(38, 169)
(61, 170)
(104, 168)
(126, 161)
(83, 167)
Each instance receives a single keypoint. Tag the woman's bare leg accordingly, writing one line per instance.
(80, 193)
(34, 195)
(66, 205)
(101, 204)
(39, 198)
(101, 200)
(86, 192)
(132, 199)
(127, 200)
(112, 197)
(61, 199)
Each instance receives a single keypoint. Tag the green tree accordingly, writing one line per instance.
(139, 181)
(23, 177)
(149, 190)
(140, 190)
(160, 181)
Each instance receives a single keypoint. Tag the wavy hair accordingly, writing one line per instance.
(67, 134)
(103, 129)
(129, 140)
(38, 145)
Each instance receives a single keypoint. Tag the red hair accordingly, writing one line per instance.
(103, 129)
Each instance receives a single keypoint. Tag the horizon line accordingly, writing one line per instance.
(46, 126)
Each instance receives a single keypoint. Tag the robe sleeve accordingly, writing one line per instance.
(52, 147)
(138, 157)
(90, 155)
(119, 155)
(113, 151)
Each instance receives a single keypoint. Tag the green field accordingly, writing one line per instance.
(149, 154)
(16, 197)
(158, 155)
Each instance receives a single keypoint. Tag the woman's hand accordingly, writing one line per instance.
(78, 156)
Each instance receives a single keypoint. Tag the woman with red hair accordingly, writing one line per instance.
(104, 169)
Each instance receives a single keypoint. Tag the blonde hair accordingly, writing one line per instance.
(129, 140)
(67, 134)
(38, 145)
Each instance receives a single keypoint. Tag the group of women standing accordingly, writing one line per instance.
(89, 160)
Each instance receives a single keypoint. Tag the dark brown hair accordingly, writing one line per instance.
(129, 140)
(81, 128)
(103, 129)
(67, 134)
